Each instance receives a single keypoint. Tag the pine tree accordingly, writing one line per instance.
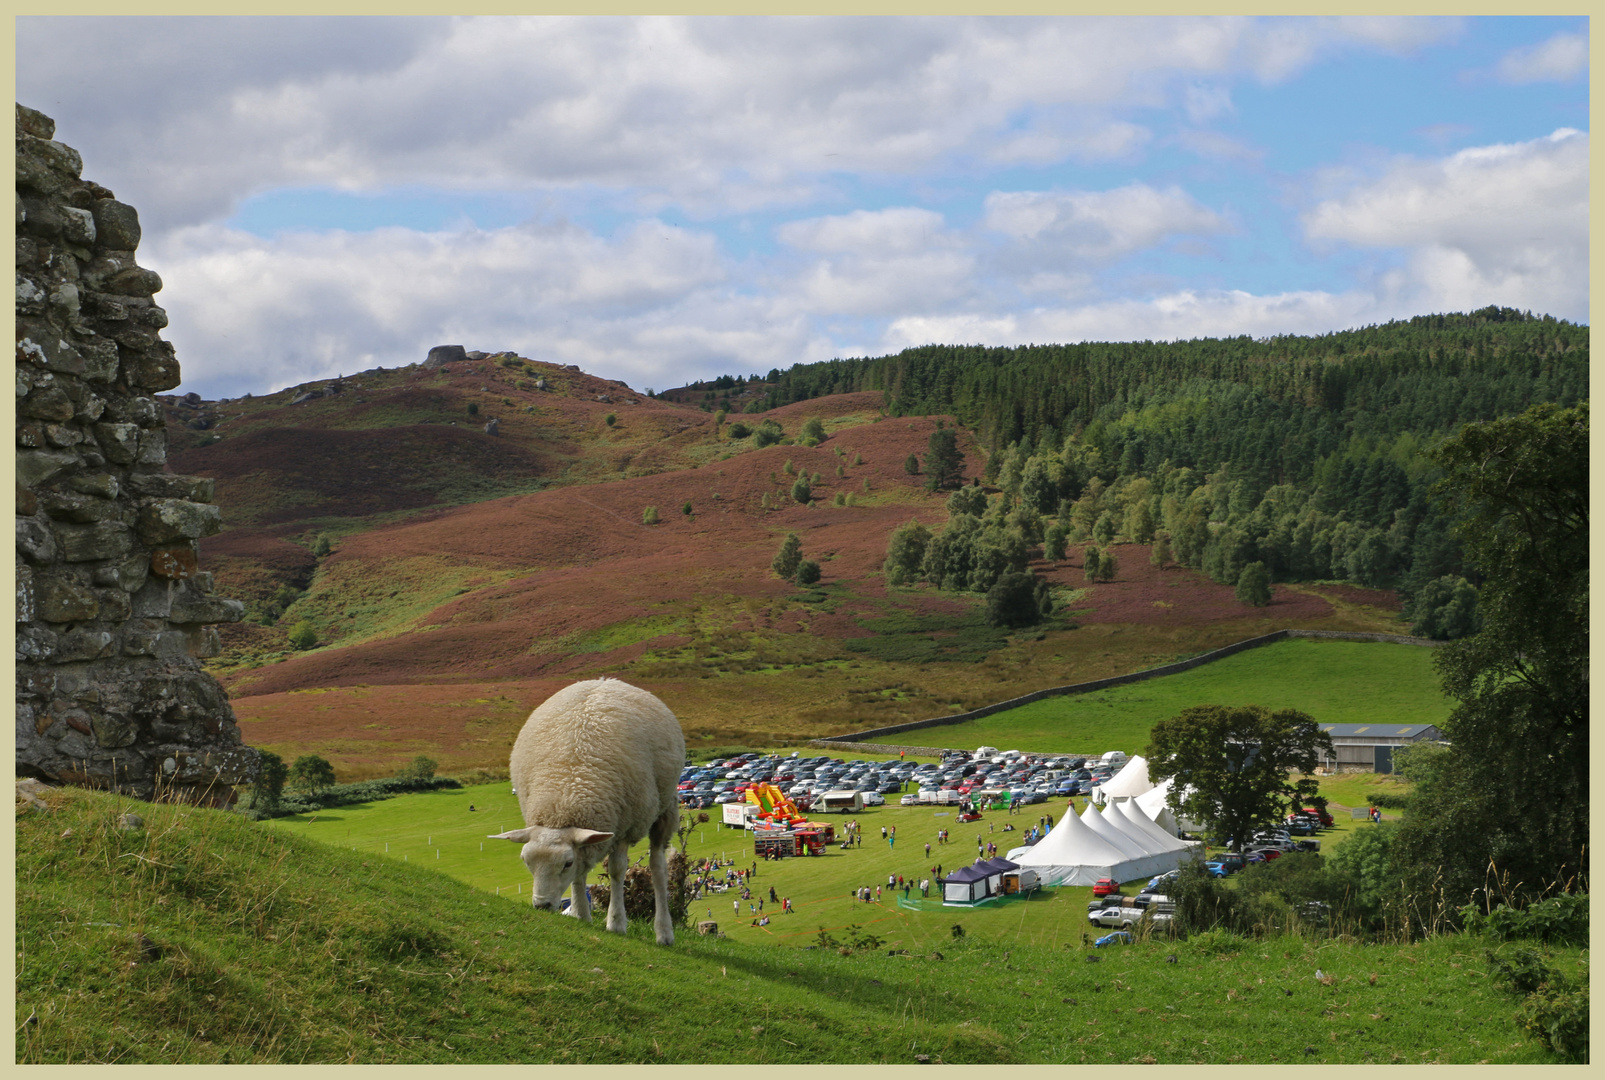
(788, 557)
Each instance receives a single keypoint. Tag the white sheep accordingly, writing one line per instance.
(595, 769)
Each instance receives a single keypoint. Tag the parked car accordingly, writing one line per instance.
(909, 800)
(1106, 887)
(1114, 916)
(1266, 854)
(874, 798)
(1119, 937)
(1155, 883)
(969, 816)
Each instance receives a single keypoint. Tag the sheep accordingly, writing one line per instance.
(596, 768)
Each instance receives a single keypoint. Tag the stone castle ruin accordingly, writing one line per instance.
(114, 614)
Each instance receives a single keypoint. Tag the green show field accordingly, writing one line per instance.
(436, 831)
(1336, 682)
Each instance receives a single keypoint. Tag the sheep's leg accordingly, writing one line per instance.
(581, 905)
(662, 923)
(661, 834)
(618, 861)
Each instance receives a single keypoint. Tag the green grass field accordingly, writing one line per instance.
(201, 937)
(436, 831)
(1337, 682)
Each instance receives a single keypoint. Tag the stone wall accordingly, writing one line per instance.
(113, 612)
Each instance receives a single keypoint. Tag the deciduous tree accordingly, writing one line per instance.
(1232, 764)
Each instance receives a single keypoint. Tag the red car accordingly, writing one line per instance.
(1106, 887)
(965, 819)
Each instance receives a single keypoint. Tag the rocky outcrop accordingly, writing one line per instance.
(114, 613)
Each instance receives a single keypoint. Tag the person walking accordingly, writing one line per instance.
(772, 897)
(883, 832)
(927, 849)
(877, 894)
(736, 905)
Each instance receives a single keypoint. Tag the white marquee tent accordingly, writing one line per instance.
(1072, 854)
(1153, 803)
(1128, 783)
(1147, 859)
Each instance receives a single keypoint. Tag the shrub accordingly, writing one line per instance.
(905, 551)
(268, 790)
(1053, 540)
(1160, 553)
(768, 434)
(302, 636)
(912, 465)
(807, 572)
(422, 767)
(813, 432)
(858, 459)
(788, 557)
(1552, 1010)
(840, 499)
(311, 773)
(801, 491)
(649, 516)
(610, 419)
(738, 430)
(1254, 585)
(686, 509)
(1445, 609)
(473, 408)
(320, 546)
(788, 468)
(1559, 920)
(1016, 599)
(841, 472)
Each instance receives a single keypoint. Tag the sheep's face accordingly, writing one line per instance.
(555, 857)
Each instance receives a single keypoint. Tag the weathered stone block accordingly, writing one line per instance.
(78, 226)
(162, 521)
(119, 442)
(27, 502)
(100, 485)
(46, 348)
(35, 467)
(176, 563)
(30, 436)
(115, 605)
(84, 509)
(171, 486)
(85, 643)
(112, 731)
(35, 542)
(35, 123)
(47, 403)
(152, 446)
(154, 369)
(35, 645)
(30, 297)
(205, 609)
(153, 600)
(62, 600)
(63, 435)
(118, 224)
(100, 359)
(87, 543)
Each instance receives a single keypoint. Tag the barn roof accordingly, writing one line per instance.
(1383, 731)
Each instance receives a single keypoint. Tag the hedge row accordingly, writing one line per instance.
(347, 794)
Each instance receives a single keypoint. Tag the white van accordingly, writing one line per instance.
(1117, 758)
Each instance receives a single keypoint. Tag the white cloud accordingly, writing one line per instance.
(1204, 103)
(1099, 226)
(1560, 59)
(186, 117)
(256, 314)
(1504, 224)
(876, 263)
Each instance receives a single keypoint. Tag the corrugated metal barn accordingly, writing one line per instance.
(1369, 747)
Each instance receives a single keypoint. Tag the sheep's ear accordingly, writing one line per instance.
(517, 836)
(584, 837)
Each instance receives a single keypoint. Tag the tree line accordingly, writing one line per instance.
(1305, 454)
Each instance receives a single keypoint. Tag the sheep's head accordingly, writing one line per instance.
(552, 856)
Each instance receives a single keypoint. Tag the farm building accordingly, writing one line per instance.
(1369, 747)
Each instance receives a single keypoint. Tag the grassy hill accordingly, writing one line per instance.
(199, 937)
(467, 567)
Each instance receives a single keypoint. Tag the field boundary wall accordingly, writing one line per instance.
(864, 740)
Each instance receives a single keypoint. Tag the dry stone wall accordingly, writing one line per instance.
(114, 613)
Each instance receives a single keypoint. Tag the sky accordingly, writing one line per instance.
(661, 200)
